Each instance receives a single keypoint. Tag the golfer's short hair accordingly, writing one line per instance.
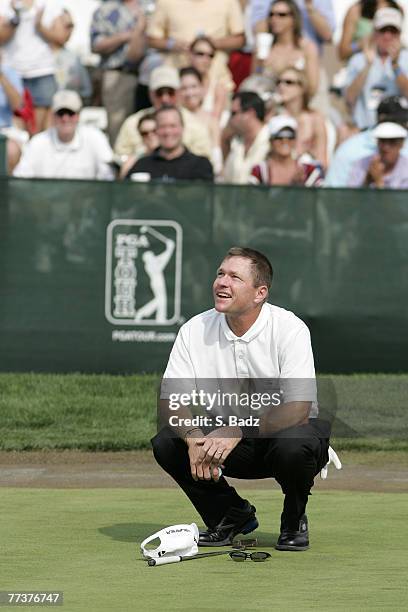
(250, 100)
(169, 107)
(262, 270)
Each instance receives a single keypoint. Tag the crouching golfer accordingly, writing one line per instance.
(244, 337)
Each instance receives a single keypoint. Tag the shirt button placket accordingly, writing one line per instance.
(241, 359)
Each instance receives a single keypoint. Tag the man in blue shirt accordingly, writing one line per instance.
(386, 168)
(380, 70)
(364, 144)
(117, 35)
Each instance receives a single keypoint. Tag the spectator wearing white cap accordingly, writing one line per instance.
(164, 89)
(387, 168)
(393, 109)
(379, 71)
(282, 166)
(67, 150)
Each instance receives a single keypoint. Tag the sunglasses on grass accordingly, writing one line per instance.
(240, 555)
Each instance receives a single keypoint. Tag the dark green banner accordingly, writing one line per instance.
(98, 277)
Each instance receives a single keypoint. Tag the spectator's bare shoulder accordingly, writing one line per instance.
(317, 117)
(308, 46)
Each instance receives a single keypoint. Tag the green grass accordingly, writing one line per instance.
(76, 411)
(85, 542)
(119, 413)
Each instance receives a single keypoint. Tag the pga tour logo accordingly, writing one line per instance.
(143, 272)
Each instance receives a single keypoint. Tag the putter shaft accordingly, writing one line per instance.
(179, 558)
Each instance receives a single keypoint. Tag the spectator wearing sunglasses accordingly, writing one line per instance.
(290, 49)
(147, 130)
(245, 138)
(164, 89)
(216, 90)
(192, 98)
(292, 93)
(176, 23)
(282, 166)
(67, 150)
(381, 70)
(318, 18)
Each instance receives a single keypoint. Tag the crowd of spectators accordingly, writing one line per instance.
(232, 91)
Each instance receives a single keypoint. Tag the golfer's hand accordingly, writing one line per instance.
(194, 446)
(216, 449)
(199, 470)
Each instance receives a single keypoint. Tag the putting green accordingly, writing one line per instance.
(84, 542)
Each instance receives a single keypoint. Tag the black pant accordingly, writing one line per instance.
(293, 457)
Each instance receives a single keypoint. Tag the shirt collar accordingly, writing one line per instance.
(157, 155)
(252, 332)
(73, 145)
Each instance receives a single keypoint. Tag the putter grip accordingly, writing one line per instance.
(164, 560)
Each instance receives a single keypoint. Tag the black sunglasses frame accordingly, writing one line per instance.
(65, 111)
(204, 54)
(257, 557)
(280, 14)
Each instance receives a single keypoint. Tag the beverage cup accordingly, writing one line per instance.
(264, 42)
(140, 177)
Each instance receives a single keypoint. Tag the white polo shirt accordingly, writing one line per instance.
(86, 156)
(276, 347)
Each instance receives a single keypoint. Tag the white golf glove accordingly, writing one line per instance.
(333, 458)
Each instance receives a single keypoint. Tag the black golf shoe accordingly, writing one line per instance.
(296, 540)
(237, 520)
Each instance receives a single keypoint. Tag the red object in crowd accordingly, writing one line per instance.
(26, 113)
(240, 66)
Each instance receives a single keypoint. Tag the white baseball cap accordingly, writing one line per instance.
(164, 76)
(389, 130)
(282, 125)
(387, 17)
(66, 98)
